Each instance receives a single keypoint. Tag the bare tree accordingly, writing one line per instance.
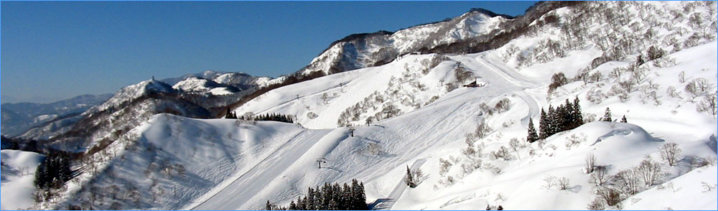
(514, 144)
(445, 166)
(590, 163)
(708, 104)
(325, 97)
(682, 77)
(610, 195)
(649, 171)
(550, 180)
(628, 181)
(599, 175)
(563, 183)
(597, 204)
(670, 153)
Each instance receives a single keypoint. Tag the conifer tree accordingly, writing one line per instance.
(532, 136)
(310, 199)
(293, 206)
(332, 205)
(543, 125)
(623, 119)
(567, 116)
(607, 115)
(552, 123)
(578, 115)
(409, 178)
(347, 199)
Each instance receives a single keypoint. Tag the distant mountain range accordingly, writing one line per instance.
(19, 117)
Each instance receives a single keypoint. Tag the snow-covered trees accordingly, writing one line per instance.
(413, 177)
(607, 115)
(329, 197)
(230, 114)
(599, 176)
(655, 53)
(590, 163)
(532, 136)
(610, 196)
(52, 173)
(649, 171)
(597, 204)
(565, 117)
(670, 153)
(269, 117)
(557, 80)
(409, 180)
(543, 125)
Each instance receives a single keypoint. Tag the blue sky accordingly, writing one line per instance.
(57, 50)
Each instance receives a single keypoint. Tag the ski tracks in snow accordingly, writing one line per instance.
(388, 202)
(244, 187)
(533, 106)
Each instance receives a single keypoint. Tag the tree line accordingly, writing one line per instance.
(262, 117)
(52, 173)
(329, 197)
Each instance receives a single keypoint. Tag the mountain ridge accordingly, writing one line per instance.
(460, 108)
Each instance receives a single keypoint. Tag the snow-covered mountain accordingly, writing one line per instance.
(453, 100)
(373, 49)
(203, 95)
(19, 117)
(239, 81)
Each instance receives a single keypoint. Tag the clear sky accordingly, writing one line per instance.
(57, 50)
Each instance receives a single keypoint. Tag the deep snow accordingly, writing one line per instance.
(18, 174)
(415, 110)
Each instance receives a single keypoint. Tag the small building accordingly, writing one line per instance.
(476, 83)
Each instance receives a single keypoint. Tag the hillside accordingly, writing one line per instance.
(452, 99)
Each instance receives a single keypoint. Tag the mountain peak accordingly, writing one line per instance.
(489, 13)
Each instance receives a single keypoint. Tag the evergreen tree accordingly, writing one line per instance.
(230, 115)
(300, 204)
(607, 115)
(623, 119)
(329, 197)
(639, 60)
(293, 206)
(543, 125)
(310, 199)
(268, 206)
(305, 206)
(578, 115)
(567, 115)
(332, 205)
(532, 136)
(409, 178)
(53, 171)
(347, 199)
(553, 120)
(362, 197)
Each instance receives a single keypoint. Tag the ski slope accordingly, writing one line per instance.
(230, 164)
(415, 111)
(243, 189)
(388, 202)
(18, 174)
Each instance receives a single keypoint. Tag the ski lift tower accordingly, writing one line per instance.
(320, 161)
